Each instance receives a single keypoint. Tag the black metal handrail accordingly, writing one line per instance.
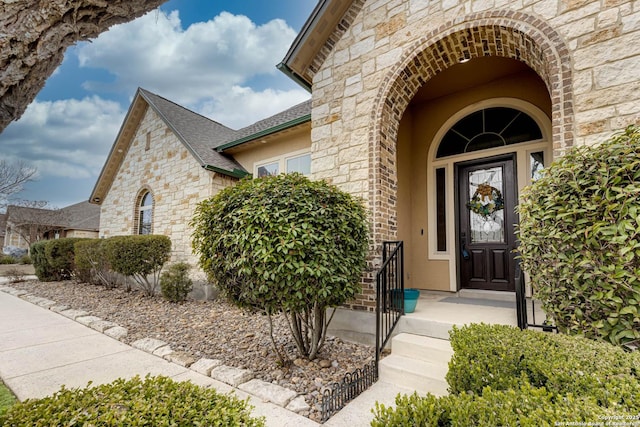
(389, 293)
(389, 308)
(521, 305)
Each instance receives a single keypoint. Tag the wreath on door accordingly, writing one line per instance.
(486, 201)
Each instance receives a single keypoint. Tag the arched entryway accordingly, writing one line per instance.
(489, 62)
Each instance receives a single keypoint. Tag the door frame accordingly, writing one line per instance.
(450, 255)
(457, 167)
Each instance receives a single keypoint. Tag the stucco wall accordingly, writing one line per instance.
(174, 177)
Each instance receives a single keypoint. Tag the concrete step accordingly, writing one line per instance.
(419, 375)
(420, 347)
(424, 327)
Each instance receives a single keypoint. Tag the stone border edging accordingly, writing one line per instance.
(242, 379)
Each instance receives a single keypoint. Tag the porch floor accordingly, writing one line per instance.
(471, 307)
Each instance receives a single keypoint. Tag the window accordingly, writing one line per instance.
(295, 162)
(441, 210)
(489, 128)
(270, 169)
(536, 164)
(145, 213)
(300, 164)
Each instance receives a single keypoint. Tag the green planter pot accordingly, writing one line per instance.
(411, 296)
(410, 299)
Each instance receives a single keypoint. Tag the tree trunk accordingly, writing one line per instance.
(35, 34)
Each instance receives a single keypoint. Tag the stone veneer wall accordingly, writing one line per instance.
(586, 52)
(175, 179)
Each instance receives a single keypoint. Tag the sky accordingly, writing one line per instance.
(215, 57)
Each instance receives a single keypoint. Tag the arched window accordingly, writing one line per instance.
(145, 213)
(488, 128)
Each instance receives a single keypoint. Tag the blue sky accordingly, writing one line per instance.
(215, 57)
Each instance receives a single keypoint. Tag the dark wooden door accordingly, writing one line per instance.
(486, 202)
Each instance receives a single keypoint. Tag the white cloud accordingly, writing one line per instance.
(189, 65)
(241, 106)
(65, 138)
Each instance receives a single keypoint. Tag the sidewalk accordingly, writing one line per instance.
(40, 350)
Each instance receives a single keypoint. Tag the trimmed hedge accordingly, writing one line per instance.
(502, 357)
(92, 265)
(60, 256)
(139, 257)
(153, 401)
(500, 375)
(41, 266)
(54, 259)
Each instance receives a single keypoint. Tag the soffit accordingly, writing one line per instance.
(313, 36)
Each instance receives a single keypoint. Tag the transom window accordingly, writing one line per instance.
(489, 128)
(300, 163)
(145, 214)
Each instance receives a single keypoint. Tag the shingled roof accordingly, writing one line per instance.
(293, 116)
(198, 133)
(81, 216)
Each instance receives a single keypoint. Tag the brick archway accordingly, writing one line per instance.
(508, 34)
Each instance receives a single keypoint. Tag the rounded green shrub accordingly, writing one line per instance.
(175, 283)
(140, 257)
(504, 357)
(154, 401)
(284, 244)
(579, 238)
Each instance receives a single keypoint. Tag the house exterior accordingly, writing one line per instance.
(167, 158)
(435, 113)
(25, 225)
(438, 113)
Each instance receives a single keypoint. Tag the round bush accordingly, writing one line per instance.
(153, 401)
(580, 239)
(284, 244)
(175, 283)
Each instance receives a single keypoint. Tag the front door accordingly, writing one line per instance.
(486, 218)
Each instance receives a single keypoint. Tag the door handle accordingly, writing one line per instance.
(463, 247)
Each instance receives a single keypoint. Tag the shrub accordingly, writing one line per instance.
(7, 399)
(136, 402)
(24, 259)
(175, 283)
(580, 239)
(503, 357)
(500, 375)
(92, 265)
(7, 259)
(139, 257)
(524, 406)
(60, 257)
(43, 270)
(284, 244)
(15, 275)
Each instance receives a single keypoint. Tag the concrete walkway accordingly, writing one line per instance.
(40, 350)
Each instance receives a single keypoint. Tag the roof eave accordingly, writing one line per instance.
(275, 129)
(236, 173)
(294, 76)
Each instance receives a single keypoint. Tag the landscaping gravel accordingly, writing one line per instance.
(215, 330)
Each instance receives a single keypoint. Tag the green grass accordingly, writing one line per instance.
(6, 398)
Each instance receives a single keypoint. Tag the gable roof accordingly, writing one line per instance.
(322, 30)
(294, 116)
(199, 134)
(81, 216)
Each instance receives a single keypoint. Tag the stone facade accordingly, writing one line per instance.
(171, 174)
(587, 53)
